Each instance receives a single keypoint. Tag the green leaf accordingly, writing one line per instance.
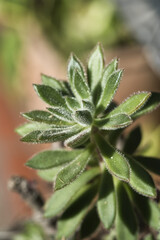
(152, 103)
(51, 135)
(107, 203)
(72, 103)
(140, 180)
(49, 95)
(113, 122)
(49, 174)
(81, 89)
(133, 140)
(126, 224)
(30, 127)
(74, 63)
(31, 231)
(115, 162)
(90, 224)
(69, 173)
(83, 117)
(54, 83)
(78, 139)
(62, 114)
(109, 89)
(95, 67)
(109, 69)
(49, 159)
(148, 210)
(74, 215)
(87, 105)
(150, 163)
(131, 104)
(44, 117)
(58, 202)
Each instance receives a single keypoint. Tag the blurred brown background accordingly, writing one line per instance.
(36, 37)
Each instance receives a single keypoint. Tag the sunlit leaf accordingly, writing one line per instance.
(74, 63)
(113, 122)
(58, 202)
(49, 174)
(152, 103)
(73, 170)
(30, 127)
(83, 117)
(109, 89)
(50, 95)
(54, 83)
(81, 88)
(62, 114)
(44, 117)
(132, 104)
(78, 139)
(107, 203)
(49, 159)
(49, 136)
(115, 162)
(95, 67)
(72, 103)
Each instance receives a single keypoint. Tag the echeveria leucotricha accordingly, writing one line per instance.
(93, 180)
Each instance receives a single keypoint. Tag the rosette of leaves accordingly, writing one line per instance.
(94, 181)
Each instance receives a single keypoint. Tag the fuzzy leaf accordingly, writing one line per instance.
(115, 162)
(106, 203)
(54, 83)
(74, 215)
(113, 122)
(90, 224)
(74, 63)
(58, 202)
(50, 95)
(109, 69)
(111, 84)
(44, 117)
(62, 114)
(133, 140)
(30, 127)
(81, 88)
(49, 174)
(87, 105)
(72, 103)
(140, 180)
(131, 104)
(78, 139)
(51, 135)
(69, 173)
(150, 163)
(152, 103)
(126, 224)
(95, 67)
(49, 159)
(83, 117)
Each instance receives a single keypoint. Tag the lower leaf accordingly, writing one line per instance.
(126, 224)
(69, 173)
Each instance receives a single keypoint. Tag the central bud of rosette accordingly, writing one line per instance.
(84, 102)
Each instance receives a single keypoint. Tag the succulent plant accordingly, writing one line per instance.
(97, 176)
